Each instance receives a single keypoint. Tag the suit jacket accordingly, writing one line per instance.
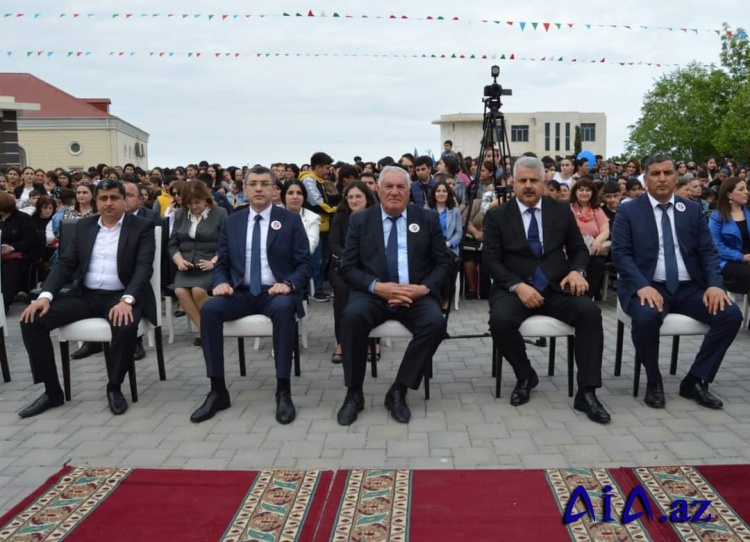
(454, 228)
(18, 190)
(135, 259)
(151, 214)
(287, 250)
(203, 247)
(364, 260)
(635, 246)
(19, 231)
(727, 237)
(311, 221)
(508, 256)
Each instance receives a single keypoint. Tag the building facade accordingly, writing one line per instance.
(545, 133)
(69, 132)
(10, 112)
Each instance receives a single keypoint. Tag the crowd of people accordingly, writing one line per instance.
(384, 240)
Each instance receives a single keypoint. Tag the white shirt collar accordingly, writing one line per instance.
(265, 213)
(385, 215)
(655, 202)
(523, 207)
(204, 215)
(119, 223)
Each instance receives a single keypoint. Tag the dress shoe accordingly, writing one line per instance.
(140, 352)
(336, 358)
(45, 402)
(117, 403)
(521, 392)
(395, 401)
(655, 394)
(197, 341)
(699, 392)
(88, 349)
(285, 411)
(214, 402)
(586, 401)
(353, 404)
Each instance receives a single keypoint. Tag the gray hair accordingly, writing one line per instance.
(395, 169)
(529, 162)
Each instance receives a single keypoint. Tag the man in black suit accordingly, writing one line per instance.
(536, 256)
(395, 262)
(110, 257)
(263, 267)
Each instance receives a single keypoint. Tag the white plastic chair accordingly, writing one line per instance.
(674, 325)
(98, 330)
(257, 325)
(393, 329)
(3, 333)
(540, 326)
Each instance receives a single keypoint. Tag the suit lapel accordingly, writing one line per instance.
(273, 232)
(122, 242)
(649, 220)
(87, 244)
(547, 223)
(681, 223)
(412, 217)
(515, 223)
(374, 224)
(242, 217)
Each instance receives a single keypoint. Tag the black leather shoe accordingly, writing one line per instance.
(588, 402)
(655, 394)
(197, 342)
(700, 394)
(117, 403)
(214, 402)
(521, 392)
(353, 404)
(285, 411)
(336, 358)
(45, 402)
(140, 352)
(88, 349)
(396, 403)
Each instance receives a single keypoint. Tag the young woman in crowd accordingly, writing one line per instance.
(444, 202)
(594, 226)
(85, 203)
(294, 196)
(28, 183)
(20, 247)
(730, 230)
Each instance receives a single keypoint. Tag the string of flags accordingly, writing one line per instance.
(264, 55)
(520, 25)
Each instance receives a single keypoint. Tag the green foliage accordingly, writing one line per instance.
(697, 111)
(577, 143)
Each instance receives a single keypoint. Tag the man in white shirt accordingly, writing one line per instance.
(110, 257)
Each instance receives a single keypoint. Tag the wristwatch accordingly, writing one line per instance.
(290, 284)
(582, 272)
(128, 299)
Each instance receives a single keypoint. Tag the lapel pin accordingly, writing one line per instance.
(679, 206)
(276, 225)
(414, 228)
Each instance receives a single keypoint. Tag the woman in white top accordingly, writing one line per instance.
(294, 197)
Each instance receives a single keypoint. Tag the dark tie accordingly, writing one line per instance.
(670, 254)
(391, 251)
(255, 283)
(539, 279)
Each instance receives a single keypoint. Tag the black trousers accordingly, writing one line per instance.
(737, 271)
(15, 278)
(366, 311)
(66, 310)
(595, 274)
(507, 313)
(340, 299)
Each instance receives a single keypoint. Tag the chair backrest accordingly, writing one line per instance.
(156, 274)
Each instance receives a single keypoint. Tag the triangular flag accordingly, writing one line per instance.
(546, 27)
(39, 53)
(115, 15)
(190, 55)
(588, 26)
(236, 55)
(509, 23)
(310, 14)
(429, 18)
(171, 53)
(197, 54)
(285, 14)
(570, 25)
(185, 15)
(602, 61)
(121, 53)
(560, 59)
(322, 14)
(502, 57)
(455, 19)
(79, 53)
(440, 18)
(217, 55)
(224, 17)
(534, 25)
(161, 54)
(128, 15)
(37, 15)
(335, 14)
(512, 57)
(523, 26)
(210, 16)
(70, 53)
(29, 53)
(558, 25)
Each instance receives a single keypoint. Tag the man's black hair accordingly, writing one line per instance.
(320, 159)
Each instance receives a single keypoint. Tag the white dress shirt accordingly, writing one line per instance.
(660, 274)
(266, 276)
(195, 221)
(526, 217)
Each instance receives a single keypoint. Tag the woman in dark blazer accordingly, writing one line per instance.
(192, 247)
(28, 183)
(443, 201)
(20, 248)
(356, 197)
(730, 230)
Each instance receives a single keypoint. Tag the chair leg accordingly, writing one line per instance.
(427, 376)
(499, 374)
(618, 348)
(257, 343)
(745, 310)
(571, 364)
(551, 368)
(65, 357)
(241, 351)
(297, 370)
(494, 360)
(675, 353)
(169, 318)
(4, 357)
(636, 376)
(160, 353)
(133, 382)
(373, 358)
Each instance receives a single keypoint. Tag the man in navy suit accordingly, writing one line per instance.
(667, 262)
(263, 266)
(395, 262)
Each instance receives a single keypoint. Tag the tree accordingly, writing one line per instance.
(577, 144)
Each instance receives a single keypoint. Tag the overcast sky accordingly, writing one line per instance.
(249, 110)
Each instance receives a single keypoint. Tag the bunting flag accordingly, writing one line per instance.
(307, 54)
(537, 26)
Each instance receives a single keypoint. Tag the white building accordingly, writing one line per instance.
(543, 133)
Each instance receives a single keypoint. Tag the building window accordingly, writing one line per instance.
(546, 136)
(567, 136)
(75, 148)
(557, 136)
(588, 132)
(519, 133)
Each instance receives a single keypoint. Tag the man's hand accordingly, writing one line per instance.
(650, 295)
(578, 284)
(279, 289)
(6, 249)
(41, 306)
(715, 299)
(223, 289)
(746, 258)
(529, 296)
(121, 314)
(398, 295)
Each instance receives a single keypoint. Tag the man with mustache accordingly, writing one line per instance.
(536, 256)
(667, 262)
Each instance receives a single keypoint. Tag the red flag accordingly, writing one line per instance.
(79, 53)
(310, 14)
(128, 15)
(223, 17)
(510, 23)
(217, 54)
(121, 53)
(602, 60)
(162, 53)
(512, 57)
(546, 27)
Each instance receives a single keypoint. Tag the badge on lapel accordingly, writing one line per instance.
(414, 228)
(680, 206)
(276, 225)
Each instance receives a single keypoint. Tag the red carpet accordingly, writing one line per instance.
(89, 504)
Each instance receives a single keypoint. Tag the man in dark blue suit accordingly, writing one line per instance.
(396, 263)
(263, 266)
(667, 262)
